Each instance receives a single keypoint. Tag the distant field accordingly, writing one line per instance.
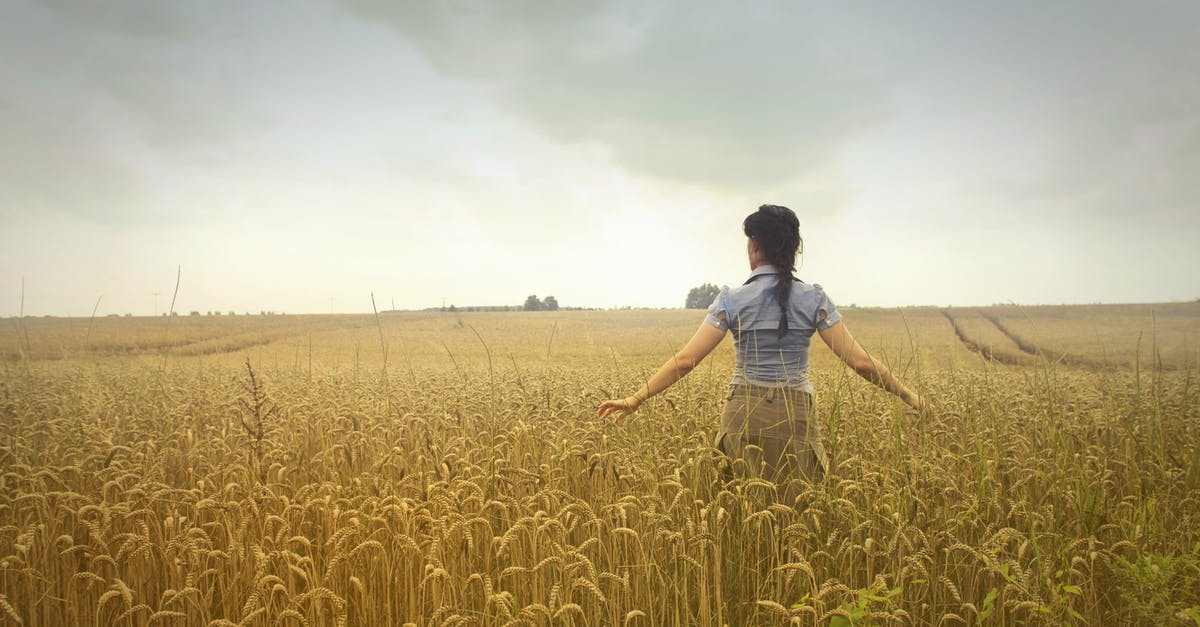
(1163, 335)
(442, 468)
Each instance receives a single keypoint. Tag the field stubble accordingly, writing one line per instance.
(306, 479)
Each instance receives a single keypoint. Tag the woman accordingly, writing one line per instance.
(769, 428)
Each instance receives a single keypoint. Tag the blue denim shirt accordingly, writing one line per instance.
(751, 312)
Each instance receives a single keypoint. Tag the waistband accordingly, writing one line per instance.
(801, 382)
(769, 392)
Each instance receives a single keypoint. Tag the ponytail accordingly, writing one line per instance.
(783, 292)
(777, 232)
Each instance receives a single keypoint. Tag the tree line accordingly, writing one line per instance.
(701, 296)
(533, 303)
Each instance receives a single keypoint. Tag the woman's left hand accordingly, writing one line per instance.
(618, 408)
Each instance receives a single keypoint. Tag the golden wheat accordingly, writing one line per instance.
(460, 490)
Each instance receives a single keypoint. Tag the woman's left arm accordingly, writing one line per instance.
(838, 338)
(707, 338)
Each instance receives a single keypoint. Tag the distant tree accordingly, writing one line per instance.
(702, 296)
(533, 303)
(452, 308)
(550, 304)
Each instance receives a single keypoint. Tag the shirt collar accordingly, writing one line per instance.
(764, 269)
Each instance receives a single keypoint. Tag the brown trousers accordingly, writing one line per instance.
(772, 434)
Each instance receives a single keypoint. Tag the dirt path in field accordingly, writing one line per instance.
(976, 347)
(178, 347)
(1026, 347)
(235, 342)
(1029, 348)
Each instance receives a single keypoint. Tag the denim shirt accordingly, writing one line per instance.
(752, 313)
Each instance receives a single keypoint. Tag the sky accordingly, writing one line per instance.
(300, 156)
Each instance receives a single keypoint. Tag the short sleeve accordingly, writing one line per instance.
(718, 311)
(826, 313)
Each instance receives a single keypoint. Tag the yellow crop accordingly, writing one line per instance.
(280, 471)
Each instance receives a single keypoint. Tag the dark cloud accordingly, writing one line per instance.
(49, 162)
(96, 91)
(1081, 107)
(1103, 96)
(731, 97)
(1097, 101)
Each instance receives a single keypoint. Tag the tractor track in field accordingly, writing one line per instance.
(178, 347)
(1040, 352)
(985, 351)
(1029, 348)
(1026, 346)
(236, 342)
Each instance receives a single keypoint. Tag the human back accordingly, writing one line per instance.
(750, 312)
(769, 428)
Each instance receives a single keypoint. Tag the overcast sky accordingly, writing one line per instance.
(604, 152)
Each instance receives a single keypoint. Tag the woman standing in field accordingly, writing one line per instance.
(769, 428)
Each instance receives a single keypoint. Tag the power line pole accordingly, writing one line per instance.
(331, 299)
(156, 304)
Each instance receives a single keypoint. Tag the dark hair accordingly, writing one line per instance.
(776, 230)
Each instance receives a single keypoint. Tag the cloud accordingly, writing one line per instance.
(49, 159)
(1078, 108)
(100, 94)
(722, 96)
(1086, 108)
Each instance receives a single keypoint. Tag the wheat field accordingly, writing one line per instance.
(447, 469)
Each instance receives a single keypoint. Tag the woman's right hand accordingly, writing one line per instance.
(618, 408)
(917, 402)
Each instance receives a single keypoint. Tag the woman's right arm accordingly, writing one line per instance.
(706, 338)
(843, 344)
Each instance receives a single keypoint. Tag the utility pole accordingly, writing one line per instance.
(155, 304)
(331, 305)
